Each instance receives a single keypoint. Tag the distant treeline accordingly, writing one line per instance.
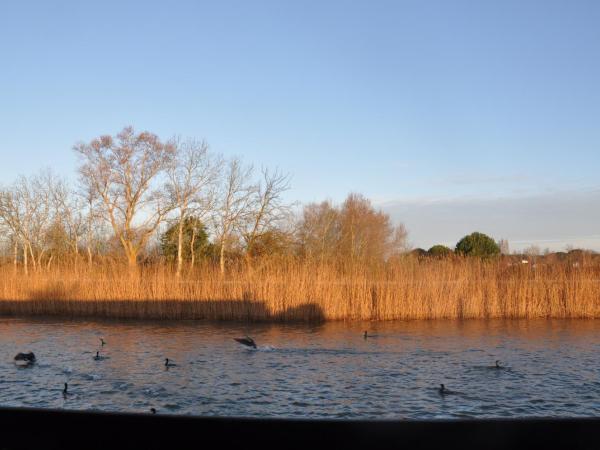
(479, 244)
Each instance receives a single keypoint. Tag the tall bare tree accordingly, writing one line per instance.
(26, 208)
(367, 234)
(354, 231)
(123, 171)
(234, 199)
(318, 230)
(192, 175)
(70, 215)
(267, 208)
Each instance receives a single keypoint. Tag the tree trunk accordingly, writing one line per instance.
(179, 247)
(16, 255)
(76, 252)
(222, 257)
(131, 257)
(248, 259)
(192, 251)
(39, 260)
(132, 260)
(32, 257)
(25, 262)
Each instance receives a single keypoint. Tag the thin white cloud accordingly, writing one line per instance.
(468, 179)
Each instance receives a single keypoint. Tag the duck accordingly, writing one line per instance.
(65, 390)
(442, 390)
(497, 365)
(169, 363)
(247, 341)
(97, 357)
(25, 358)
(153, 410)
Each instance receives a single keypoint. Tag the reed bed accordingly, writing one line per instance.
(292, 290)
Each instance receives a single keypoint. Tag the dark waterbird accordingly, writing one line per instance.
(497, 365)
(153, 410)
(247, 341)
(97, 357)
(443, 390)
(65, 390)
(367, 335)
(27, 358)
(169, 363)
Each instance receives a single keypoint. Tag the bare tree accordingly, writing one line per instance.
(355, 231)
(504, 247)
(91, 215)
(27, 210)
(365, 234)
(123, 172)
(192, 175)
(70, 215)
(318, 230)
(267, 208)
(234, 199)
(532, 251)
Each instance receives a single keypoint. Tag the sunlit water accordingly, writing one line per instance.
(550, 368)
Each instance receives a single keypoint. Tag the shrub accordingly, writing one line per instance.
(477, 244)
(439, 251)
(193, 231)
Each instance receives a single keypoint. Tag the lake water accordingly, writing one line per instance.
(549, 368)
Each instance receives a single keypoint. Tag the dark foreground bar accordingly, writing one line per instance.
(60, 429)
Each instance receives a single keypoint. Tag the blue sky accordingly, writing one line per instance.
(437, 110)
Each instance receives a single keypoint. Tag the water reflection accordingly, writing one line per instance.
(549, 368)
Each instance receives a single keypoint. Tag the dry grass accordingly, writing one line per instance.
(292, 290)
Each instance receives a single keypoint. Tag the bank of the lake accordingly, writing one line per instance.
(280, 291)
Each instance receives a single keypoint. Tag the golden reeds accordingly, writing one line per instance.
(288, 290)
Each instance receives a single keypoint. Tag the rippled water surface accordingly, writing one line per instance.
(550, 368)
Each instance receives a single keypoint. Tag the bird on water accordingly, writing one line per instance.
(153, 411)
(65, 390)
(442, 390)
(247, 341)
(25, 358)
(97, 357)
(498, 366)
(169, 363)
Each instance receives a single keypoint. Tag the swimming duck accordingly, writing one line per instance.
(97, 357)
(247, 341)
(168, 363)
(27, 358)
(498, 366)
(442, 390)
